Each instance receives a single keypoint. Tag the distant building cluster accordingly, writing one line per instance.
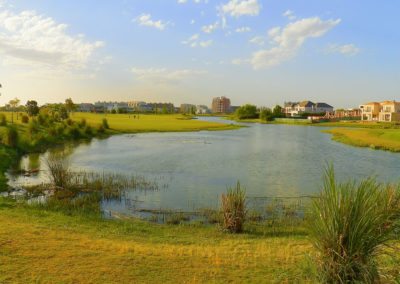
(218, 105)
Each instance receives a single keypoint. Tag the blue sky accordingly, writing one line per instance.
(253, 51)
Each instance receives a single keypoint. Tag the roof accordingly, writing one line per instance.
(371, 103)
(323, 105)
(306, 104)
(389, 102)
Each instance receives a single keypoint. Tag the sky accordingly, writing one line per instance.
(263, 52)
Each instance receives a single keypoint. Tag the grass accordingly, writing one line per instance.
(384, 139)
(352, 224)
(39, 246)
(126, 123)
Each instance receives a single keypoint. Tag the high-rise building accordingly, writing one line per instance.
(221, 105)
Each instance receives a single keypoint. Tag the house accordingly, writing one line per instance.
(387, 111)
(86, 107)
(188, 108)
(202, 109)
(390, 111)
(305, 107)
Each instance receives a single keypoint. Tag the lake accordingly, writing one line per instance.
(268, 160)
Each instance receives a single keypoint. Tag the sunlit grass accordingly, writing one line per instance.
(385, 139)
(150, 123)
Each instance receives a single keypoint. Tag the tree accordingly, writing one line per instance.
(32, 108)
(266, 114)
(277, 112)
(13, 105)
(69, 105)
(247, 111)
(63, 113)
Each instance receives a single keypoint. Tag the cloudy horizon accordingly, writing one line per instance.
(189, 51)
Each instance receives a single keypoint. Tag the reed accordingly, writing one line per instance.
(350, 226)
(234, 209)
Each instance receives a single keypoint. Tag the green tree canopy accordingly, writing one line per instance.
(32, 108)
(247, 111)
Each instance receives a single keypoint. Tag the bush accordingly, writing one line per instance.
(349, 225)
(3, 120)
(74, 132)
(33, 127)
(69, 122)
(11, 137)
(82, 124)
(234, 209)
(100, 129)
(25, 119)
(105, 123)
(88, 130)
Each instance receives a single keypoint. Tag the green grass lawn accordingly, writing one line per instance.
(39, 246)
(126, 123)
(385, 139)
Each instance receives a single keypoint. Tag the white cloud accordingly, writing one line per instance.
(194, 41)
(27, 38)
(289, 40)
(182, 1)
(347, 49)
(237, 8)
(239, 61)
(164, 75)
(258, 40)
(210, 28)
(145, 20)
(206, 43)
(243, 30)
(290, 15)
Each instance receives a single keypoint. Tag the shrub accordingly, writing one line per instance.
(105, 123)
(100, 129)
(25, 119)
(42, 119)
(234, 209)
(82, 124)
(3, 120)
(74, 132)
(11, 137)
(69, 122)
(33, 127)
(88, 130)
(349, 225)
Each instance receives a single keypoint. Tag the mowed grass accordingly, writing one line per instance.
(385, 139)
(49, 247)
(130, 123)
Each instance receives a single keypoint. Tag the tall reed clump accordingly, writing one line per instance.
(350, 226)
(234, 209)
(59, 172)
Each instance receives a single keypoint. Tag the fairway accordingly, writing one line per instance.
(385, 139)
(130, 123)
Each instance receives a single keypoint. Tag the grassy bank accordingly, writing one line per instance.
(375, 138)
(129, 123)
(39, 246)
(42, 246)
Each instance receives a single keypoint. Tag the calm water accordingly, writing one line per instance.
(269, 160)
